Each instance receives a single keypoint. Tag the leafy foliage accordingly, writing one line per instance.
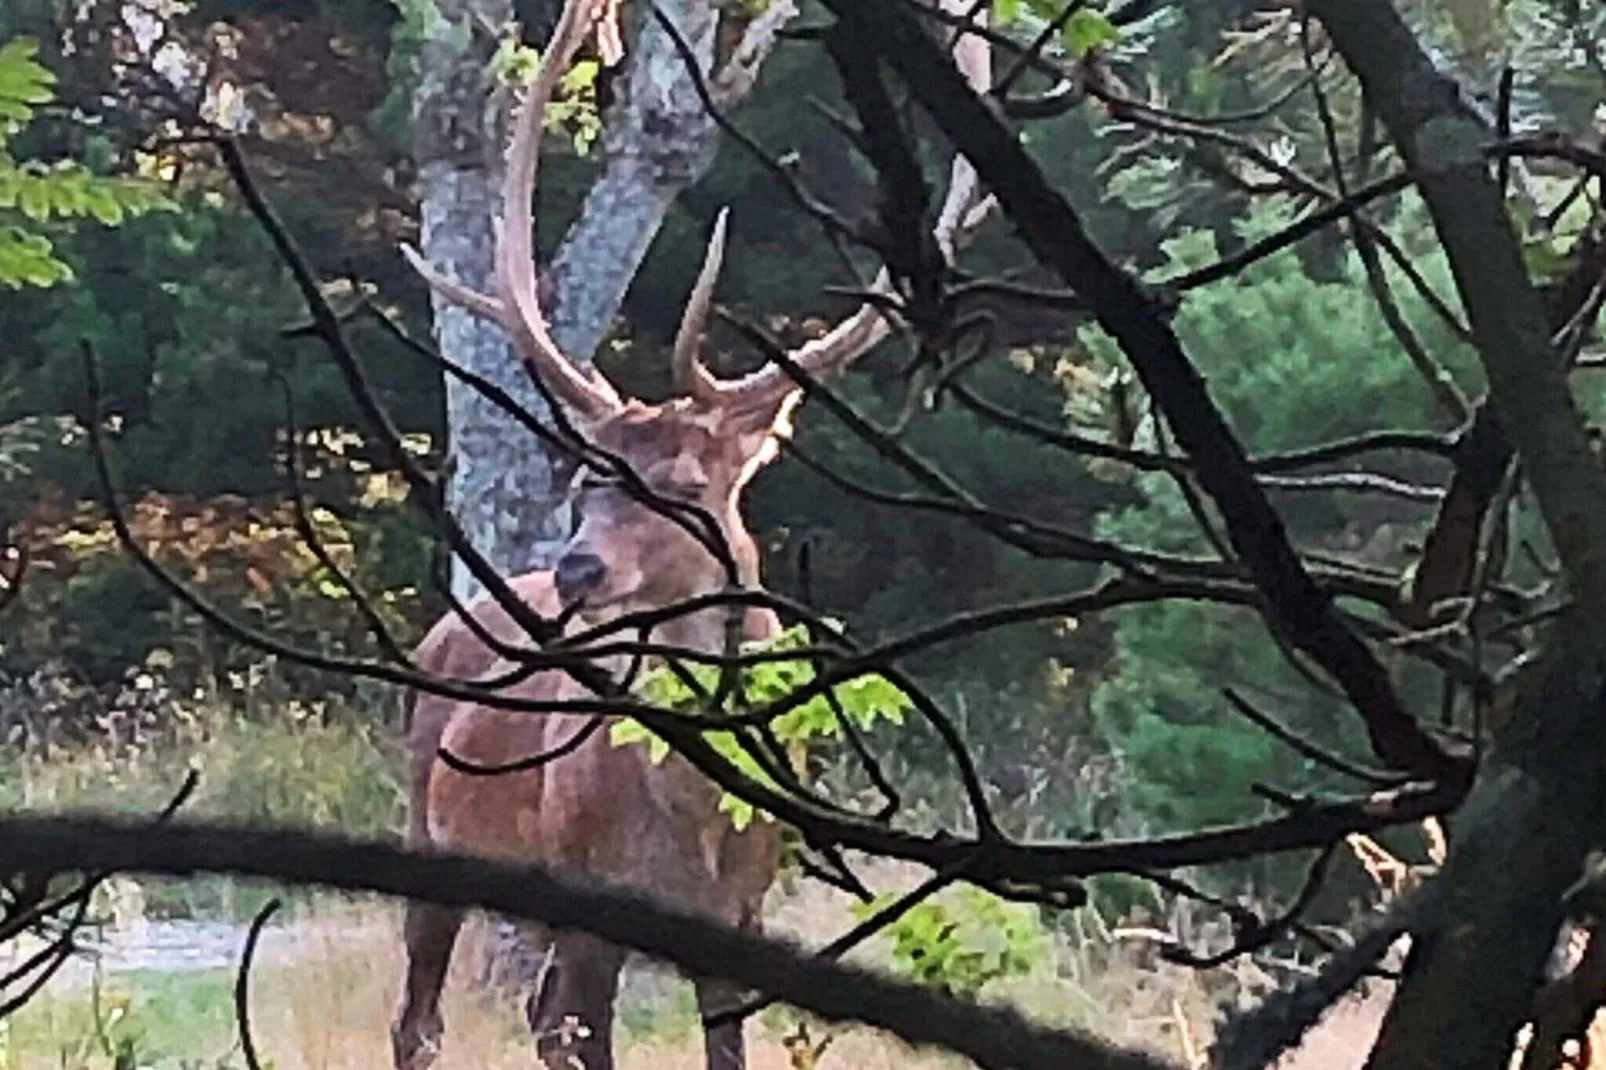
(40, 193)
(250, 561)
(1086, 29)
(1293, 362)
(962, 942)
(866, 700)
(575, 104)
(24, 83)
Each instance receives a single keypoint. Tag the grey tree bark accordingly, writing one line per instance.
(506, 491)
(659, 140)
(504, 488)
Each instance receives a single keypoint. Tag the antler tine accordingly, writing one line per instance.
(515, 256)
(517, 307)
(455, 292)
(610, 43)
(962, 211)
(689, 374)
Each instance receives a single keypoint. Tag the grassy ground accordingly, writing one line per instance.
(327, 977)
(325, 984)
(323, 992)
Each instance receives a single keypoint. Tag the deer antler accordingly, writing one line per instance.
(689, 374)
(962, 211)
(516, 307)
(610, 42)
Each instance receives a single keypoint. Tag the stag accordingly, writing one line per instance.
(605, 812)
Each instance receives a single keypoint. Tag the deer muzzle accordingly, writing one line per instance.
(578, 575)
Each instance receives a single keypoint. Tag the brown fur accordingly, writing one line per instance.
(603, 812)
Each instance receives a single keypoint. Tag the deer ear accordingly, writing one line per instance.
(767, 417)
(757, 427)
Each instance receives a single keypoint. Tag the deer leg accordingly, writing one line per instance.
(571, 1012)
(415, 1035)
(426, 719)
(723, 1045)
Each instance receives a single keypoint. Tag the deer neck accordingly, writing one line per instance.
(707, 632)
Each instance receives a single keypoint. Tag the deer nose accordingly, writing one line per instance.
(578, 575)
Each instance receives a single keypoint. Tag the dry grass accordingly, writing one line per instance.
(326, 983)
(322, 996)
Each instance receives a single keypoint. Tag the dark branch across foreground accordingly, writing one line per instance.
(1048, 872)
(993, 1037)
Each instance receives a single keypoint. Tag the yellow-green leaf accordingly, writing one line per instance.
(1087, 30)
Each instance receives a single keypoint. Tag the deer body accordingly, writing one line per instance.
(602, 812)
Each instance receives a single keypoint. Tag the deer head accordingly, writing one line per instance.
(699, 449)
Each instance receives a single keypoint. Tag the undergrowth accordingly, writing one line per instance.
(329, 973)
(321, 765)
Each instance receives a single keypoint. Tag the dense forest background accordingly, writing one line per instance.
(1118, 724)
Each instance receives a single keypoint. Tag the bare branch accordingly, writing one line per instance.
(1254, 933)
(388, 646)
(995, 1038)
(1308, 748)
(242, 984)
(961, 213)
(1049, 226)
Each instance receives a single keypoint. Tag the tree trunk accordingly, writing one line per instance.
(506, 491)
(1474, 968)
(659, 140)
(504, 488)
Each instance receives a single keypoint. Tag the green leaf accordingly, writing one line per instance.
(29, 260)
(1087, 30)
(627, 731)
(1545, 260)
(740, 812)
(33, 200)
(332, 588)
(864, 699)
(25, 83)
(583, 75)
(515, 63)
(963, 942)
(102, 203)
(64, 190)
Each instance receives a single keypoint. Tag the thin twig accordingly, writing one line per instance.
(242, 984)
(1310, 749)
